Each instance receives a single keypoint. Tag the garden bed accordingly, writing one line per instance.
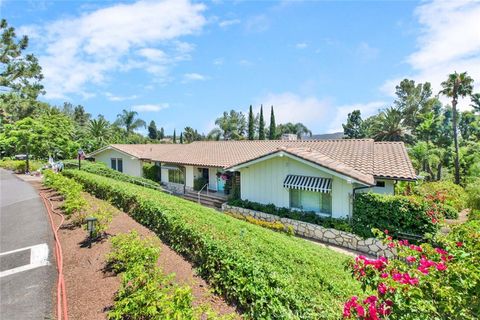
(91, 289)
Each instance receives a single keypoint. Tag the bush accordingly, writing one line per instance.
(129, 250)
(101, 169)
(405, 214)
(266, 274)
(151, 172)
(453, 194)
(310, 217)
(68, 188)
(423, 282)
(473, 194)
(274, 225)
(19, 166)
(199, 183)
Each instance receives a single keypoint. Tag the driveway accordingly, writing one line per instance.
(27, 265)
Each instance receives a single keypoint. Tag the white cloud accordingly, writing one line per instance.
(366, 52)
(227, 23)
(112, 97)
(86, 49)
(301, 45)
(150, 107)
(449, 41)
(218, 61)
(187, 77)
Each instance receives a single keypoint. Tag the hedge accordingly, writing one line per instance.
(151, 172)
(19, 166)
(305, 216)
(267, 274)
(101, 169)
(393, 213)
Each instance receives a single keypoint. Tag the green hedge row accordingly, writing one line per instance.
(393, 213)
(101, 169)
(269, 275)
(306, 216)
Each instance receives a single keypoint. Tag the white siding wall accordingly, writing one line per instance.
(131, 165)
(388, 189)
(212, 178)
(263, 182)
(189, 172)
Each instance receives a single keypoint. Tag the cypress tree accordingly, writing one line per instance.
(272, 134)
(174, 136)
(251, 125)
(261, 126)
(152, 130)
(181, 137)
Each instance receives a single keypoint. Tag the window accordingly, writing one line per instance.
(175, 176)
(117, 164)
(311, 201)
(380, 184)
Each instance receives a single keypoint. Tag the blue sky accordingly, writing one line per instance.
(183, 63)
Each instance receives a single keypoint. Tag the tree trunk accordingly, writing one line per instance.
(439, 171)
(455, 140)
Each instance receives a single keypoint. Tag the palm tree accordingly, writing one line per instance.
(99, 130)
(127, 120)
(457, 85)
(294, 128)
(389, 126)
(476, 101)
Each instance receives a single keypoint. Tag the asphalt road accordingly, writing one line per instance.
(27, 265)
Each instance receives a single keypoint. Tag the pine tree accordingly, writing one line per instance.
(272, 134)
(152, 130)
(181, 137)
(261, 126)
(251, 125)
(174, 136)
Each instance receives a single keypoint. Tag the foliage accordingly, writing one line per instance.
(273, 225)
(306, 216)
(152, 130)
(190, 135)
(231, 126)
(251, 124)
(473, 194)
(68, 188)
(19, 166)
(128, 120)
(199, 183)
(397, 213)
(294, 128)
(261, 125)
(151, 172)
(101, 169)
(423, 282)
(451, 194)
(267, 274)
(129, 250)
(272, 132)
(353, 129)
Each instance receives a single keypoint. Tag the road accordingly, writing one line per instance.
(27, 265)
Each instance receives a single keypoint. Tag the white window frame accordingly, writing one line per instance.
(320, 196)
(116, 161)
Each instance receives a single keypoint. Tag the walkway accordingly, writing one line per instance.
(27, 275)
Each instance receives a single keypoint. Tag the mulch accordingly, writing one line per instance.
(90, 288)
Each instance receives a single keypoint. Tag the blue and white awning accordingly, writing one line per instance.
(315, 184)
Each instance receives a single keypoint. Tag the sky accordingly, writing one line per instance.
(182, 63)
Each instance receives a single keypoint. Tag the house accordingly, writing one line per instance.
(310, 175)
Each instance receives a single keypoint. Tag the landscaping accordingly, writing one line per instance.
(266, 274)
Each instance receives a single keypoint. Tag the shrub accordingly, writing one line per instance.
(68, 188)
(129, 249)
(473, 194)
(101, 169)
(267, 274)
(274, 225)
(396, 213)
(199, 183)
(423, 282)
(151, 172)
(310, 217)
(453, 194)
(19, 166)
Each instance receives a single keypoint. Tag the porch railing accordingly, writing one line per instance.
(200, 192)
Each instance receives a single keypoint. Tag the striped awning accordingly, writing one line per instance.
(308, 183)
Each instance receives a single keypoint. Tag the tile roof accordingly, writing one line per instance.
(361, 159)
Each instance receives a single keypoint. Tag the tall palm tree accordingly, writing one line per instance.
(99, 130)
(389, 126)
(476, 101)
(127, 119)
(457, 85)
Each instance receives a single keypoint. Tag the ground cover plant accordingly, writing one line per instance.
(19, 166)
(306, 216)
(427, 281)
(267, 274)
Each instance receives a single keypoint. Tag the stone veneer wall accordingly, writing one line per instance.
(174, 187)
(371, 246)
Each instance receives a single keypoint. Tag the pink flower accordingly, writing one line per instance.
(411, 259)
(384, 275)
(403, 242)
(382, 288)
(391, 244)
(440, 251)
(360, 310)
(441, 266)
(385, 231)
(459, 244)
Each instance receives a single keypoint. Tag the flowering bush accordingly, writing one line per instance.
(422, 281)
